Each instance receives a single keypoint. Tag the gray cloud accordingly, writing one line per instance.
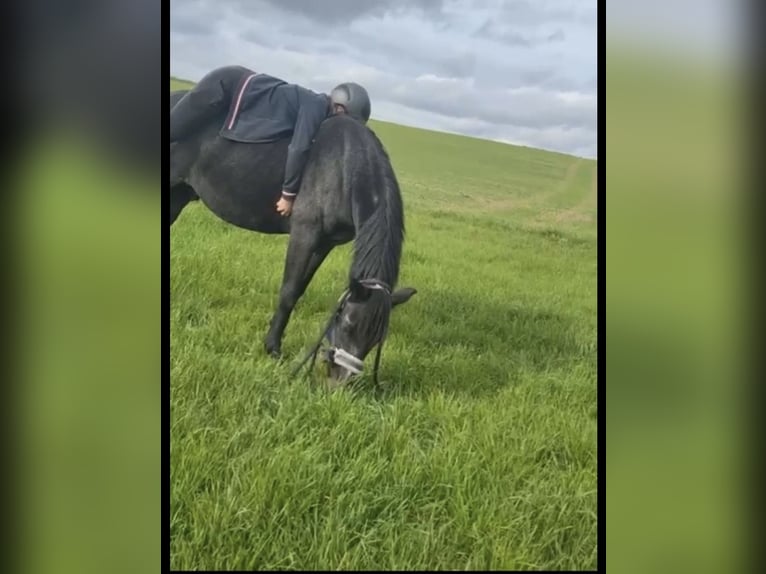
(345, 11)
(557, 36)
(514, 37)
(546, 12)
(424, 63)
(190, 26)
(194, 17)
(460, 66)
(525, 107)
(490, 29)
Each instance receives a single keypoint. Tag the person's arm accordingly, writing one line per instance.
(311, 112)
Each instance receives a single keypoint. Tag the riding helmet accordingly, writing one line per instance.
(354, 99)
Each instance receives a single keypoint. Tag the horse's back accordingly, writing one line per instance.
(241, 182)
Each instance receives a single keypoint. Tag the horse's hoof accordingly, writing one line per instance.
(273, 352)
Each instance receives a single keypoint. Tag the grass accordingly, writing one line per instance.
(479, 453)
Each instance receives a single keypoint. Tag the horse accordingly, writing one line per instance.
(348, 191)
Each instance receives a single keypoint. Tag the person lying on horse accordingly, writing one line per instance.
(264, 108)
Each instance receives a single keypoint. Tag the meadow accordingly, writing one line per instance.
(478, 453)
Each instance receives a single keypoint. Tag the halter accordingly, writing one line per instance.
(339, 356)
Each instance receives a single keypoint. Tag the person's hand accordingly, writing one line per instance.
(285, 206)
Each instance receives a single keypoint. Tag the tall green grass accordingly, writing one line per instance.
(480, 450)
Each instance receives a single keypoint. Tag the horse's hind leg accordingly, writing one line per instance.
(180, 196)
(305, 253)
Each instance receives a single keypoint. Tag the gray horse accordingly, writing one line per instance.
(348, 192)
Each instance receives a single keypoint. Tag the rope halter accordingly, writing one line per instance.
(339, 356)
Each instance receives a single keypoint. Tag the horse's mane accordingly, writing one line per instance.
(379, 238)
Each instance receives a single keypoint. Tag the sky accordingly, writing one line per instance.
(518, 71)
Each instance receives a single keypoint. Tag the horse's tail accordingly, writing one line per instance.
(175, 96)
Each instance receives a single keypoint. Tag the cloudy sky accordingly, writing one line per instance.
(519, 71)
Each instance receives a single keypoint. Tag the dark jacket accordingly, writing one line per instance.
(265, 108)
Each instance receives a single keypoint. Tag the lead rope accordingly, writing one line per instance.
(312, 354)
(382, 340)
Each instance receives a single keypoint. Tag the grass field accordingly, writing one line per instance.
(480, 453)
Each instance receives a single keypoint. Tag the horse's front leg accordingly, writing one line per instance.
(304, 256)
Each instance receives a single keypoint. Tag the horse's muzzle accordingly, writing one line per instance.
(340, 358)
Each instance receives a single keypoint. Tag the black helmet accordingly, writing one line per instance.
(353, 98)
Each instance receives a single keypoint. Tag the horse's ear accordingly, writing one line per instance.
(402, 295)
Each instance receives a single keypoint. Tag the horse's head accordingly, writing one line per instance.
(360, 323)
